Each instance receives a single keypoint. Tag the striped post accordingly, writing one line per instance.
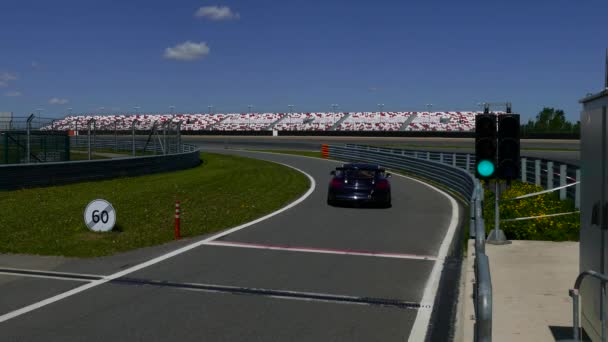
(177, 228)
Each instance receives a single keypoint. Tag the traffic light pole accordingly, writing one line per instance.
(497, 236)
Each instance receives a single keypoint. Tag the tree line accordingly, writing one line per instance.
(551, 120)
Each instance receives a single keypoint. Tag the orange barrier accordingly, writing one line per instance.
(325, 151)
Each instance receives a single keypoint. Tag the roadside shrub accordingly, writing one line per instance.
(557, 228)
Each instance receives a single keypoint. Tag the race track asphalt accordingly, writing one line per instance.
(247, 292)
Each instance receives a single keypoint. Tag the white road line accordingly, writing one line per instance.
(45, 277)
(423, 317)
(320, 250)
(156, 260)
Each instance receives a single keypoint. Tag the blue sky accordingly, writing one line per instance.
(85, 54)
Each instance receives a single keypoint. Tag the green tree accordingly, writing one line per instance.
(552, 120)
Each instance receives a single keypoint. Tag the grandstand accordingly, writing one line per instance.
(346, 122)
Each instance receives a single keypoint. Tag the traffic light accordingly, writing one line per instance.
(485, 146)
(508, 146)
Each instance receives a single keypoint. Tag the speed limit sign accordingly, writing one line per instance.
(100, 216)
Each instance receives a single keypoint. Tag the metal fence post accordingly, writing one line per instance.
(133, 136)
(115, 135)
(29, 128)
(428, 156)
(454, 159)
(537, 172)
(89, 136)
(550, 175)
(563, 173)
(524, 170)
(179, 137)
(468, 166)
(440, 157)
(165, 137)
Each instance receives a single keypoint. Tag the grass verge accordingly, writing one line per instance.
(223, 192)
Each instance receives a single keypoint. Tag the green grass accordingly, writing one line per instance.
(85, 156)
(294, 152)
(223, 192)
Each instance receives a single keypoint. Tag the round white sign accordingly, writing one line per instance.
(100, 216)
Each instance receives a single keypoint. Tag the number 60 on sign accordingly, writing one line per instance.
(100, 216)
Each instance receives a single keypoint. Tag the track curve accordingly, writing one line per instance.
(313, 273)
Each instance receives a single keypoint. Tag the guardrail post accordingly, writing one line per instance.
(550, 175)
(563, 173)
(468, 166)
(454, 159)
(537, 172)
(577, 190)
(524, 170)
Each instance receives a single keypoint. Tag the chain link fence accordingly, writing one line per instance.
(24, 140)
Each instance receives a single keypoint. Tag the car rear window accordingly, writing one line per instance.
(360, 174)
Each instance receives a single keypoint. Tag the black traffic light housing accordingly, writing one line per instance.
(485, 145)
(508, 147)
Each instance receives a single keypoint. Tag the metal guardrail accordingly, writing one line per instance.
(455, 176)
(542, 172)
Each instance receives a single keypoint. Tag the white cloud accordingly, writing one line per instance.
(216, 13)
(13, 93)
(187, 51)
(58, 101)
(7, 76)
(3, 84)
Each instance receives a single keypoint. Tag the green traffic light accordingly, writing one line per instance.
(485, 168)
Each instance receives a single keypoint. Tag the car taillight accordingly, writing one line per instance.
(336, 183)
(382, 184)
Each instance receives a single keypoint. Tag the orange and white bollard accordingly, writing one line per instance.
(325, 151)
(177, 231)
